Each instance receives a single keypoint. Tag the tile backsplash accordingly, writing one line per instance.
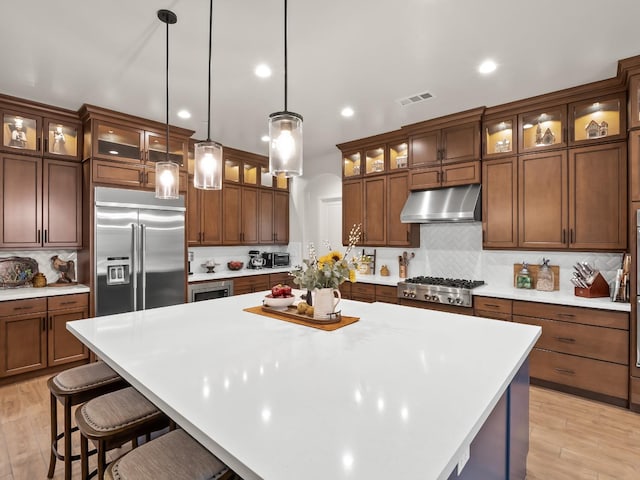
(43, 257)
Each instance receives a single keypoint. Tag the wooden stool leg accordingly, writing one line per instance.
(67, 439)
(54, 434)
(102, 459)
(84, 457)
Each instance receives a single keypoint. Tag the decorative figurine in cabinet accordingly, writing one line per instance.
(542, 130)
(498, 136)
(597, 120)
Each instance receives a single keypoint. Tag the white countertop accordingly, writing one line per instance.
(556, 297)
(399, 394)
(222, 274)
(31, 292)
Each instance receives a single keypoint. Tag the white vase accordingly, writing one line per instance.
(325, 301)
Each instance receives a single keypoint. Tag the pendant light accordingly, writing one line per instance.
(207, 173)
(285, 131)
(167, 172)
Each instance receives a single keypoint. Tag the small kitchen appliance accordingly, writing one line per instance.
(450, 291)
(276, 259)
(255, 260)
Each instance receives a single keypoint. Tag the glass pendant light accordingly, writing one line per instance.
(207, 173)
(167, 172)
(285, 132)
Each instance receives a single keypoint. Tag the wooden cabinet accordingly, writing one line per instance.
(204, 217)
(240, 219)
(251, 284)
(386, 293)
(543, 200)
(581, 350)
(500, 203)
(596, 120)
(445, 175)
(457, 143)
(345, 290)
(62, 346)
(375, 214)
(363, 292)
(399, 234)
(496, 308)
(38, 130)
(41, 202)
(543, 129)
(634, 165)
(499, 136)
(352, 207)
(124, 149)
(33, 333)
(281, 278)
(634, 101)
(379, 154)
(273, 217)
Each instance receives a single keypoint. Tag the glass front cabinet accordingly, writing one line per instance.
(499, 137)
(351, 164)
(634, 101)
(597, 120)
(542, 130)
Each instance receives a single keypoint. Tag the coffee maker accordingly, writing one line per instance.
(255, 260)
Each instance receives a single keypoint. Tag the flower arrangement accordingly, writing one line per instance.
(330, 270)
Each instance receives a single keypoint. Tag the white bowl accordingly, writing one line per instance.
(278, 302)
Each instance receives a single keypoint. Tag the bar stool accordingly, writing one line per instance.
(73, 387)
(112, 420)
(174, 456)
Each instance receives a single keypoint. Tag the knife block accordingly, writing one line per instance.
(598, 288)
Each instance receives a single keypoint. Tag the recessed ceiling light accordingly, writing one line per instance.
(263, 71)
(264, 138)
(347, 112)
(184, 114)
(487, 66)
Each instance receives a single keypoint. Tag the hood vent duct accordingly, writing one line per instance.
(453, 204)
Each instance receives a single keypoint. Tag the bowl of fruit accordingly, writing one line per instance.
(280, 297)
(235, 265)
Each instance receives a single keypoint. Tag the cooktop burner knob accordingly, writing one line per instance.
(451, 300)
(458, 301)
(412, 294)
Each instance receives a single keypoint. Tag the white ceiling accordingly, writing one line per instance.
(362, 53)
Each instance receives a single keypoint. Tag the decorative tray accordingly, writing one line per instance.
(17, 271)
(292, 312)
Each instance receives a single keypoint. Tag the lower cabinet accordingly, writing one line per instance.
(581, 350)
(282, 278)
(33, 333)
(386, 294)
(251, 284)
(496, 308)
(363, 292)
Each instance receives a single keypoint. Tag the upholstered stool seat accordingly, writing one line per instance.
(73, 387)
(174, 456)
(114, 419)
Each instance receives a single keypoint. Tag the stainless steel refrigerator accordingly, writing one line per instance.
(139, 251)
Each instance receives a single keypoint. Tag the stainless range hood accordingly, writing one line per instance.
(452, 204)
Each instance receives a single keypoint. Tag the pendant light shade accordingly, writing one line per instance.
(285, 132)
(167, 172)
(207, 173)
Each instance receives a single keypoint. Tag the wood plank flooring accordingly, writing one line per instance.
(570, 438)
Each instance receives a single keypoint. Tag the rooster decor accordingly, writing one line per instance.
(66, 269)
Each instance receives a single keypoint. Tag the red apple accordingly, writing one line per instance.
(277, 291)
(286, 291)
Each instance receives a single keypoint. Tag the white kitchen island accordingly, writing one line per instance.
(402, 393)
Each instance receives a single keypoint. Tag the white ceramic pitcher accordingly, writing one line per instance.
(325, 301)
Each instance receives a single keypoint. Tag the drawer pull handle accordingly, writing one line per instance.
(565, 339)
(568, 315)
(492, 305)
(565, 371)
(28, 307)
(68, 303)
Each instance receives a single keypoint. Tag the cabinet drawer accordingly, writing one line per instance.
(386, 291)
(593, 375)
(506, 317)
(283, 278)
(363, 292)
(587, 316)
(600, 343)
(63, 302)
(253, 283)
(489, 304)
(18, 307)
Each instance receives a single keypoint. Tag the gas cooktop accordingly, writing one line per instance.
(452, 291)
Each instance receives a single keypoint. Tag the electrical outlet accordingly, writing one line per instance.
(464, 458)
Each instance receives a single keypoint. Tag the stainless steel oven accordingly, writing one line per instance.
(209, 290)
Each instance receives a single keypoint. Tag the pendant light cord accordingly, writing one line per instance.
(167, 96)
(209, 90)
(285, 55)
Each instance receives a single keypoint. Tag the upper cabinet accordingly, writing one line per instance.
(499, 136)
(597, 120)
(634, 101)
(375, 155)
(450, 139)
(542, 129)
(37, 130)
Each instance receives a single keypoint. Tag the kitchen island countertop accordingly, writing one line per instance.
(399, 394)
(31, 292)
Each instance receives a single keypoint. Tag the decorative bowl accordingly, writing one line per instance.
(279, 302)
(235, 265)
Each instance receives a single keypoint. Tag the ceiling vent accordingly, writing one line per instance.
(419, 97)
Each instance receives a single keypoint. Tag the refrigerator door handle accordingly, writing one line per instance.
(134, 264)
(143, 269)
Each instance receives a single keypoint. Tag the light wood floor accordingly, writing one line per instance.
(570, 438)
